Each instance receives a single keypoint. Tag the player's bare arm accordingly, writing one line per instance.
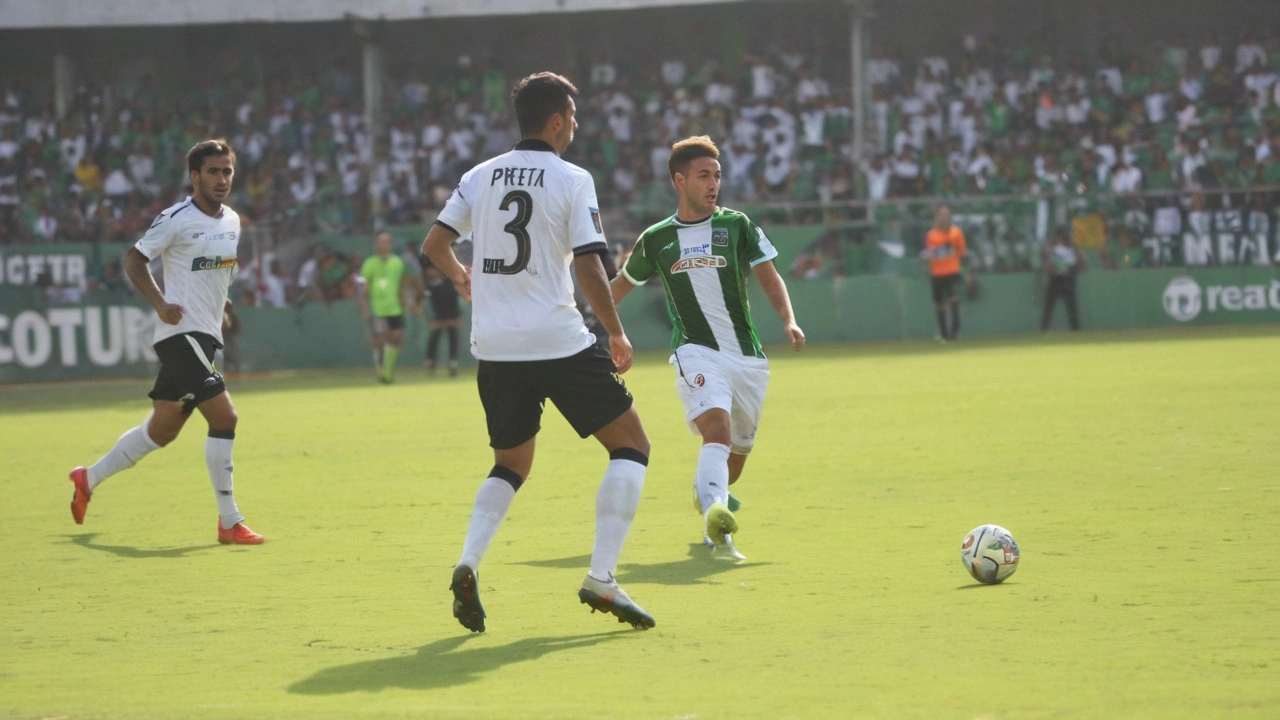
(775, 289)
(417, 289)
(138, 267)
(595, 285)
(620, 287)
(438, 246)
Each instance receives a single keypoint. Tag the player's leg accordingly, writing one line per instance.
(737, 460)
(616, 503)
(377, 339)
(159, 428)
(750, 380)
(451, 328)
(619, 495)
(391, 348)
(939, 306)
(221, 416)
(711, 481)
(588, 391)
(433, 344)
(513, 411)
(511, 467)
(1069, 298)
(171, 405)
(1050, 299)
(953, 300)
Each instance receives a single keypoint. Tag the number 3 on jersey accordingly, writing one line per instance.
(524, 211)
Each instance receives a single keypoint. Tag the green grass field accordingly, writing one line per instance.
(1137, 471)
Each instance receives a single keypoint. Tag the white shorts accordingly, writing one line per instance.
(707, 379)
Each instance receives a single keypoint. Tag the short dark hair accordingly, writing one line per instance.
(689, 149)
(539, 96)
(218, 147)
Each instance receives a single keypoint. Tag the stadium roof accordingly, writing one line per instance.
(16, 14)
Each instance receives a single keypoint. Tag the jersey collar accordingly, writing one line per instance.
(535, 144)
(690, 223)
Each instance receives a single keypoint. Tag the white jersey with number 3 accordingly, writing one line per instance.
(529, 213)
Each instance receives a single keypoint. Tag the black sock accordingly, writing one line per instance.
(453, 344)
(942, 323)
(433, 343)
(955, 320)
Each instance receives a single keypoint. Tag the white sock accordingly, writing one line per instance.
(132, 446)
(712, 480)
(217, 456)
(492, 501)
(616, 505)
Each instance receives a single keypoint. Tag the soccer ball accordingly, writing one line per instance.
(990, 554)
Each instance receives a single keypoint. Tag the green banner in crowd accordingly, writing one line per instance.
(104, 337)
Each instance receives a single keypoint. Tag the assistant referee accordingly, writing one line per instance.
(944, 249)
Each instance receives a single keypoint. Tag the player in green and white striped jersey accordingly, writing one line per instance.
(703, 254)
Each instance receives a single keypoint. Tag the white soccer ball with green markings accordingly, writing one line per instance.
(990, 554)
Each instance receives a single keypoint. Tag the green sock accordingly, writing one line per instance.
(389, 355)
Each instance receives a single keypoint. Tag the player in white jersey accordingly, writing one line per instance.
(531, 216)
(196, 241)
(704, 255)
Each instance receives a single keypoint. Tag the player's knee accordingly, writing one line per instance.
(634, 454)
(163, 436)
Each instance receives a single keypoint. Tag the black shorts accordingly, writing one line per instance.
(444, 308)
(585, 388)
(187, 374)
(388, 324)
(944, 288)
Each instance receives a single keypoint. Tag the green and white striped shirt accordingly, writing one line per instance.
(704, 266)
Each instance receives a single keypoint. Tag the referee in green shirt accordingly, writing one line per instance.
(384, 276)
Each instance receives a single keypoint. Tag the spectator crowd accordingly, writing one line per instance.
(984, 119)
(1178, 116)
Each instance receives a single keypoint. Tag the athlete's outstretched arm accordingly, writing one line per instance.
(138, 267)
(589, 269)
(776, 290)
(438, 246)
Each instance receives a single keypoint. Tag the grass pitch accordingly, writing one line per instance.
(1137, 471)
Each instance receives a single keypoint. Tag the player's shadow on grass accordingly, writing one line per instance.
(697, 566)
(127, 551)
(444, 663)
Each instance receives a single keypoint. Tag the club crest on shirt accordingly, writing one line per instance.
(699, 380)
(700, 261)
(720, 237)
(595, 220)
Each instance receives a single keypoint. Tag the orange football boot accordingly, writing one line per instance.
(238, 535)
(80, 500)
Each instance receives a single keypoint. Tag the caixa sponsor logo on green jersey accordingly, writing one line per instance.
(699, 261)
(1184, 299)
